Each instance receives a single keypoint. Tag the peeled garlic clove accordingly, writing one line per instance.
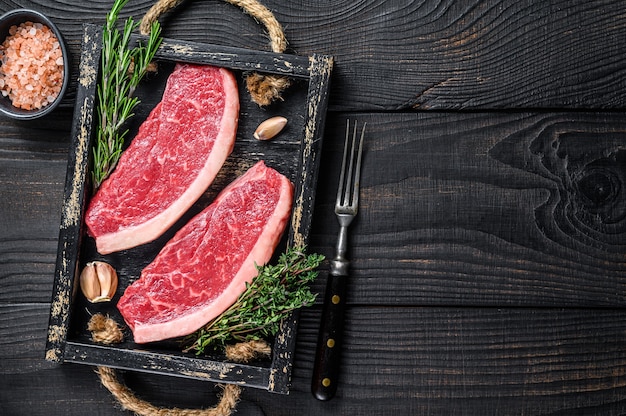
(98, 281)
(270, 128)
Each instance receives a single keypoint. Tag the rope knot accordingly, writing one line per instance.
(104, 330)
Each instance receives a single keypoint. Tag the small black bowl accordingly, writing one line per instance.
(16, 17)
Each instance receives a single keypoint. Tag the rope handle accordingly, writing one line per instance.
(105, 330)
(264, 89)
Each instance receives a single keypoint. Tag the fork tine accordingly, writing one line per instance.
(350, 176)
(340, 194)
(357, 174)
(347, 196)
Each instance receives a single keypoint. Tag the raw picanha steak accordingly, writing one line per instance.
(204, 268)
(173, 159)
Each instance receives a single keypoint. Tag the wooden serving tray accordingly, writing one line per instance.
(295, 153)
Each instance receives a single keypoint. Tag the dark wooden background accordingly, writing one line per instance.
(489, 256)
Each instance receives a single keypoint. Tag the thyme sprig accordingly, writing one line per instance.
(275, 292)
(122, 68)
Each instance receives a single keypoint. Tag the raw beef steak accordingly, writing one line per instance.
(173, 159)
(205, 267)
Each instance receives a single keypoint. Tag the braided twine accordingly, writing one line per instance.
(105, 330)
(263, 88)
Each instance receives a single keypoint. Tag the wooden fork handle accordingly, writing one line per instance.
(330, 339)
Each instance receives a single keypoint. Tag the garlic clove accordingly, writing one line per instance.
(107, 276)
(98, 281)
(89, 284)
(270, 128)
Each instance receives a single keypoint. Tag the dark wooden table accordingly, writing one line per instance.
(489, 255)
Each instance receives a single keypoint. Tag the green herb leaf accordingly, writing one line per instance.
(272, 295)
(122, 68)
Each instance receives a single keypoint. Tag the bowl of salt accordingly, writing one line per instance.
(34, 65)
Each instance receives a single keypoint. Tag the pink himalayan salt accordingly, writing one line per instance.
(31, 71)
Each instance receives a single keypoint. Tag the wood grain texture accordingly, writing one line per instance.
(452, 361)
(32, 172)
(484, 209)
(475, 361)
(428, 54)
(447, 246)
(489, 259)
(519, 209)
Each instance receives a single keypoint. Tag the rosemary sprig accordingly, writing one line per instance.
(122, 67)
(275, 292)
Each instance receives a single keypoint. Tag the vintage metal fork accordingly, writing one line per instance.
(327, 360)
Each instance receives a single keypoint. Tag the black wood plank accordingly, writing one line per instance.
(509, 210)
(396, 361)
(479, 209)
(448, 54)
(32, 171)
(406, 254)
(514, 209)
(495, 361)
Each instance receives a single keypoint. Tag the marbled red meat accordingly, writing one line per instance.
(205, 267)
(171, 162)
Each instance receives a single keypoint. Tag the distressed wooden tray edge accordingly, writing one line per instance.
(317, 69)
